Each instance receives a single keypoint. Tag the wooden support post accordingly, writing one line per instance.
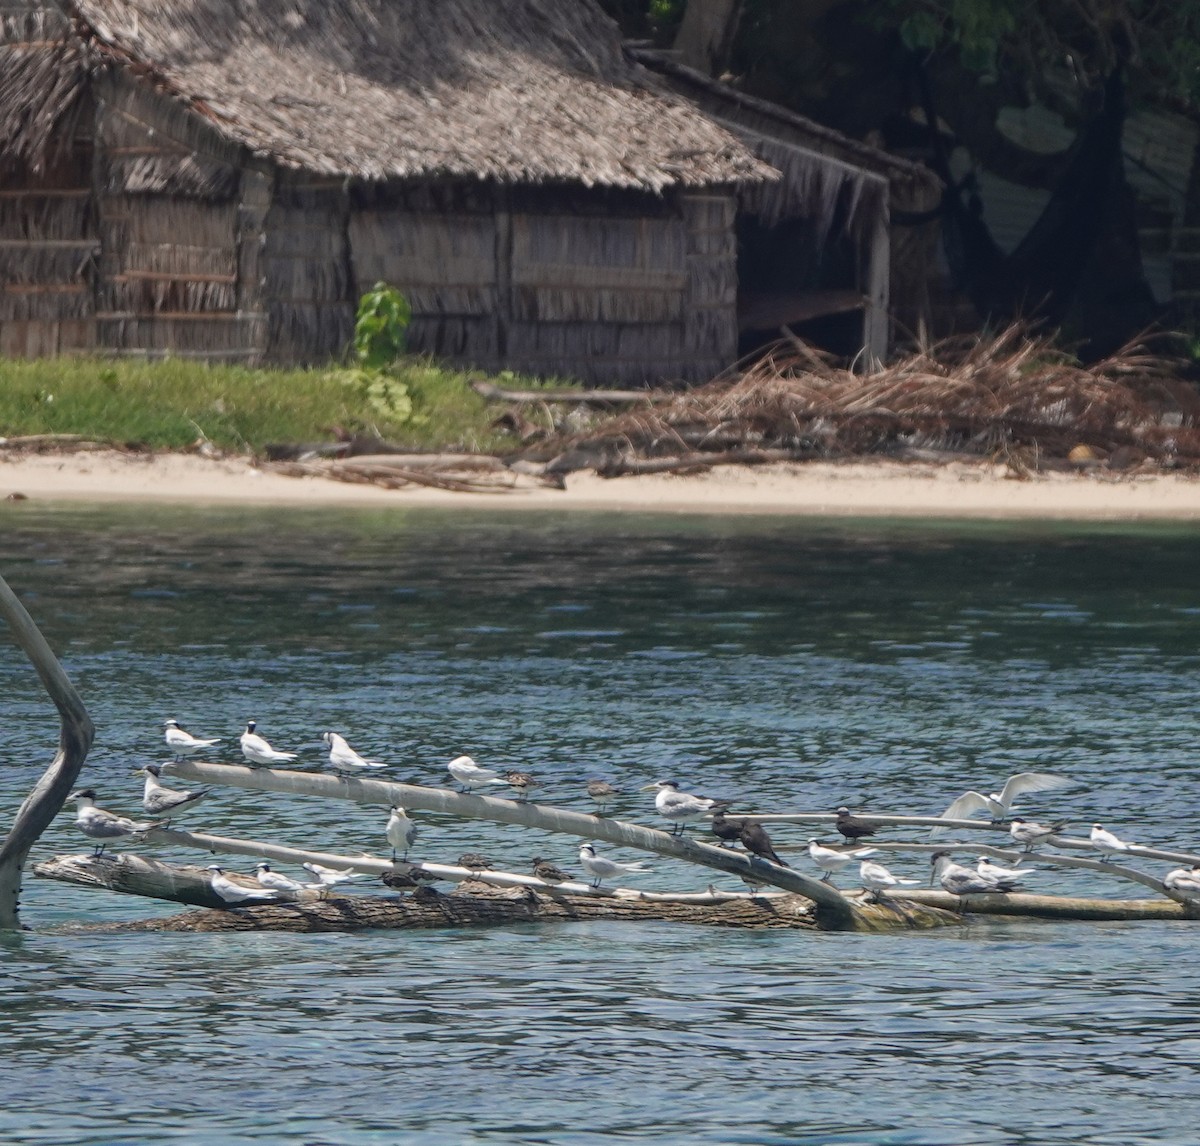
(833, 910)
(50, 792)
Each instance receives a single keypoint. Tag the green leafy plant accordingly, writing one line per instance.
(381, 327)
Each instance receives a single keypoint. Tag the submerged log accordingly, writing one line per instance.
(833, 910)
(477, 904)
(1055, 906)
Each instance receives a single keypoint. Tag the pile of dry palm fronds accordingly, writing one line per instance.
(1010, 396)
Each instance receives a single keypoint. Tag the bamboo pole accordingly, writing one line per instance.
(833, 910)
(50, 792)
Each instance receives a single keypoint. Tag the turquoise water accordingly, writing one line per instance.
(791, 664)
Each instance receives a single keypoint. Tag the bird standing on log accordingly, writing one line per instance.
(1032, 834)
(1184, 880)
(755, 839)
(344, 759)
(547, 872)
(401, 831)
(471, 775)
(160, 800)
(601, 867)
(277, 881)
(520, 782)
(100, 824)
(256, 749)
(877, 879)
(726, 830)
(830, 860)
(1107, 842)
(960, 880)
(679, 807)
(603, 793)
(232, 892)
(850, 827)
(181, 742)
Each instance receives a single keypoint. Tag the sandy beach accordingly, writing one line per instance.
(859, 488)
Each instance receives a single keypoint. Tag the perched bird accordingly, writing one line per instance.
(877, 879)
(997, 804)
(755, 839)
(1031, 834)
(1106, 842)
(344, 759)
(547, 872)
(679, 807)
(990, 870)
(331, 877)
(473, 861)
(726, 830)
(520, 782)
(471, 775)
(1184, 880)
(275, 881)
(603, 793)
(960, 880)
(181, 742)
(232, 892)
(415, 879)
(258, 751)
(103, 825)
(830, 860)
(850, 827)
(401, 831)
(601, 867)
(159, 800)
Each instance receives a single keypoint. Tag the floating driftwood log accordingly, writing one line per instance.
(479, 900)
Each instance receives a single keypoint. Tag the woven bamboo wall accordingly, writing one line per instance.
(307, 284)
(48, 242)
(167, 201)
(438, 243)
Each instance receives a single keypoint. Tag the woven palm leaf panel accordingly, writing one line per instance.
(168, 223)
(306, 269)
(437, 243)
(602, 287)
(48, 242)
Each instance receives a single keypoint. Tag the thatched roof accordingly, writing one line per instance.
(512, 90)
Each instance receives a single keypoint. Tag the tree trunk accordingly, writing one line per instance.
(50, 792)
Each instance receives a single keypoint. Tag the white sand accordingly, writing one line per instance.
(867, 488)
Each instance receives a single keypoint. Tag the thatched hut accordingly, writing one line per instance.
(849, 230)
(219, 180)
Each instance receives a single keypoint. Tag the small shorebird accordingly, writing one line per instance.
(852, 828)
(232, 892)
(1031, 834)
(1184, 880)
(160, 800)
(256, 749)
(603, 793)
(755, 839)
(276, 881)
(181, 742)
(877, 879)
(474, 861)
(100, 824)
(960, 880)
(344, 759)
(830, 860)
(679, 807)
(547, 872)
(990, 870)
(401, 831)
(601, 867)
(520, 782)
(331, 877)
(471, 775)
(1108, 843)
(726, 830)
